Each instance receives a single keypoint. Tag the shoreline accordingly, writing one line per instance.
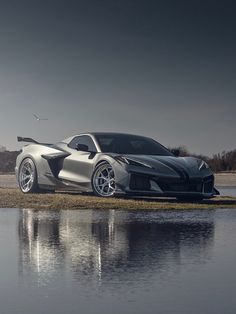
(13, 198)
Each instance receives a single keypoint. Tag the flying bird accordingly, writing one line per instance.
(37, 118)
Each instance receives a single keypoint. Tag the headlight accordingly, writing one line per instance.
(131, 162)
(202, 165)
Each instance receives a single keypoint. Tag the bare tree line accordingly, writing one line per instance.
(225, 161)
(8, 161)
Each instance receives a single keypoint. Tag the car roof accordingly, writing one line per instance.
(94, 134)
(113, 133)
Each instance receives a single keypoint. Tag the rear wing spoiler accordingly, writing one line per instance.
(26, 139)
(29, 140)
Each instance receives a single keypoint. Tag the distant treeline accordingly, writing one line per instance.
(225, 161)
(8, 161)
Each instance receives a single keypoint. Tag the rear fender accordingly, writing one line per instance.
(41, 155)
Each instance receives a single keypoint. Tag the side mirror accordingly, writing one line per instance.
(85, 148)
(82, 147)
(175, 152)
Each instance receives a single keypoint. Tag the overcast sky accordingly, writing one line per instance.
(165, 69)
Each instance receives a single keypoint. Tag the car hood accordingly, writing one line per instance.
(170, 165)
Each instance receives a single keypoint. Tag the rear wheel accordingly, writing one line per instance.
(103, 180)
(27, 178)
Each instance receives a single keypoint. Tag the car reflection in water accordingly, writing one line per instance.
(103, 245)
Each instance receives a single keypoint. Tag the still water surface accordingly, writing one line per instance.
(117, 262)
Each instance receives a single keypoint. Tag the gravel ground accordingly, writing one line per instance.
(222, 179)
(225, 179)
(8, 181)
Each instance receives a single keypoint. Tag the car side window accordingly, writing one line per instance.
(84, 140)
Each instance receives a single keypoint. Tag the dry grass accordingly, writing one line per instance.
(13, 198)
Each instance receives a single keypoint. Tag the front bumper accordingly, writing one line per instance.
(146, 185)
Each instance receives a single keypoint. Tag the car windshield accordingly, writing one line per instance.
(130, 144)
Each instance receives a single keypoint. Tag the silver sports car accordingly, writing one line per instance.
(108, 164)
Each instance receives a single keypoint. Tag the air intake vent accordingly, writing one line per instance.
(140, 183)
(208, 187)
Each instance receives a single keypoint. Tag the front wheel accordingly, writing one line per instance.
(103, 180)
(27, 177)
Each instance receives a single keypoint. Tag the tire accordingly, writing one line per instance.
(103, 180)
(27, 177)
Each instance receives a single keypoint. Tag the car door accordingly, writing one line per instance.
(78, 167)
